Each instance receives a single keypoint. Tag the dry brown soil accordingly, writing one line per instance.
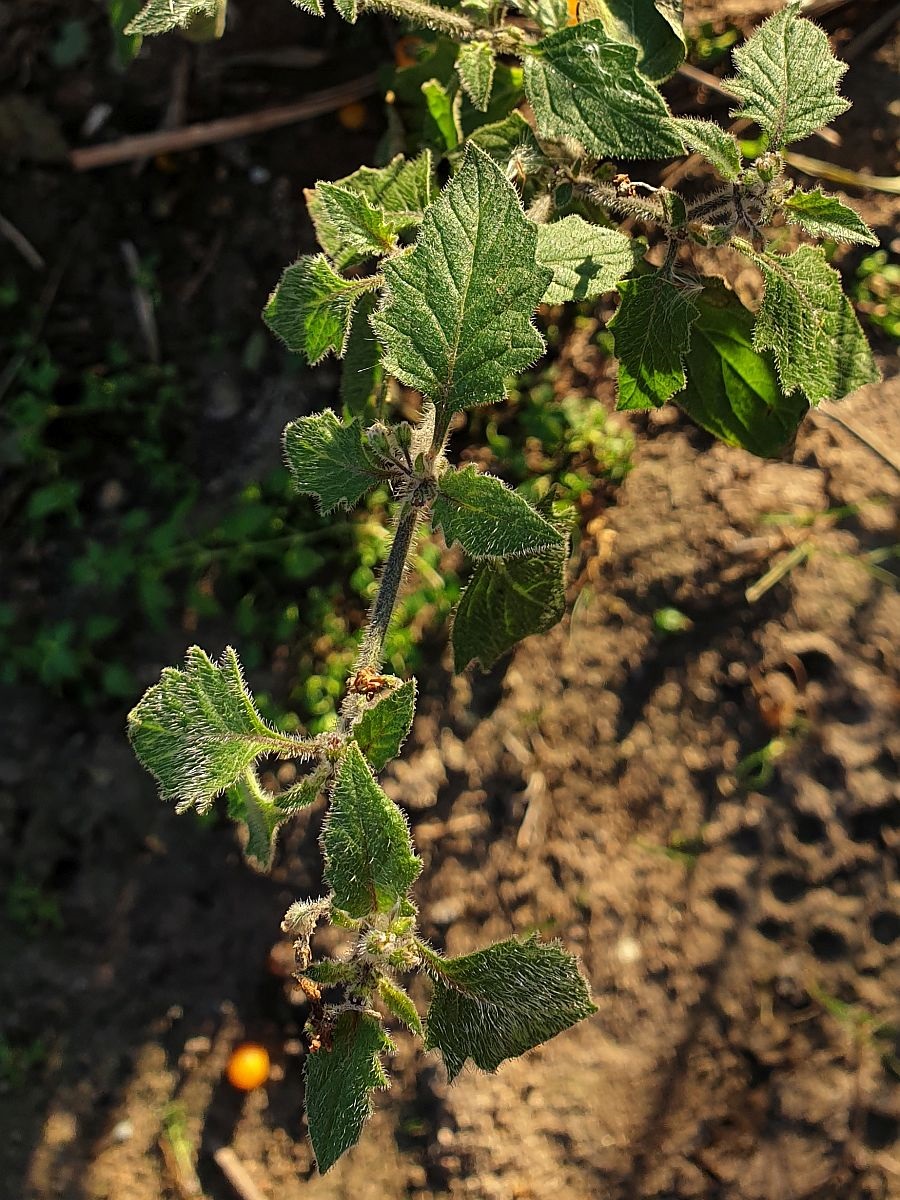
(711, 819)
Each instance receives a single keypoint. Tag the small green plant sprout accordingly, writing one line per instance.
(434, 289)
(17, 1062)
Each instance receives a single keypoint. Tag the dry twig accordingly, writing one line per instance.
(206, 133)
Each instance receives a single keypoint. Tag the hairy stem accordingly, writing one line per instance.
(372, 649)
(454, 24)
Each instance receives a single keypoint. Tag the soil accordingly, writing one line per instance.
(709, 818)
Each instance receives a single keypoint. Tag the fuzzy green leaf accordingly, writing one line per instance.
(197, 730)
(653, 27)
(586, 260)
(339, 1083)
(315, 8)
(363, 229)
(489, 519)
(509, 142)
(787, 78)
(582, 85)
(716, 144)
(328, 459)
(652, 332)
(369, 860)
(810, 326)
(255, 808)
(349, 9)
(312, 307)
(400, 192)
(505, 601)
(329, 972)
(303, 793)
(732, 389)
(361, 371)
(475, 66)
(159, 16)
(121, 14)
(399, 1003)
(457, 313)
(500, 1002)
(825, 216)
(383, 728)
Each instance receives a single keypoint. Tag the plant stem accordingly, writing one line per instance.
(372, 650)
(454, 24)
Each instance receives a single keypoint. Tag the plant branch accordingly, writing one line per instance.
(372, 650)
(454, 24)
(225, 129)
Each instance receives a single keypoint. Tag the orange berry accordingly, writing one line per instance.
(248, 1067)
(352, 116)
(572, 6)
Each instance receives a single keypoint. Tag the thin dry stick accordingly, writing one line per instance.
(864, 40)
(21, 243)
(236, 1174)
(842, 175)
(206, 133)
(143, 304)
(869, 440)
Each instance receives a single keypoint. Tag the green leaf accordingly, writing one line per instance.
(399, 1003)
(653, 27)
(582, 85)
(339, 1082)
(328, 459)
(732, 389)
(810, 326)
(369, 860)
(489, 519)
(787, 78)
(248, 803)
(586, 260)
(440, 106)
(349, 9)
(197, 730)
(456, 318)
(312, 307)
(401, 192)
(500, 1002)
(825, 216)
(121, 13)
(330, 972)
(303, 793)
(475, 66)
(159, 16)
(716, 144)
(383, 728)
(363, 229)
(207, 27)
(548, 15)
(314, 7)
(361, 372)
(509, 141)
(652, 332)
(505, 601)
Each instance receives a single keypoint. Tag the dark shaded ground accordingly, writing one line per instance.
(740, 925)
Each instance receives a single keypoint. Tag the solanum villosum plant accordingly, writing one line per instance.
(435, 288)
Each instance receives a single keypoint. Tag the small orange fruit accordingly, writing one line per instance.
(248, 1067)
(352, 116)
